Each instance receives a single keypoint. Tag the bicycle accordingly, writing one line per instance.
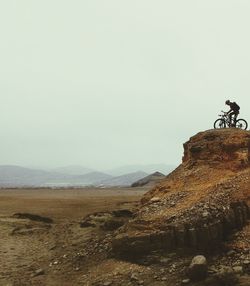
(224, 122)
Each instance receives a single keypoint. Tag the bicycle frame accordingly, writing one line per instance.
(226, 119)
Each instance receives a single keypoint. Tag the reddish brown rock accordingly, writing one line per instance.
(199, 203)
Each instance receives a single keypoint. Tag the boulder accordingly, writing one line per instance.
(198, 268)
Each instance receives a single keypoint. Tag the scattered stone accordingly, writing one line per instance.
(38, 272)
(185, 281)
(212, 270)
(155, 200)
(172, 254)
(205, 214)
(165, 260)
(134, 277)
(231, 252)
(225, 277)
(198, 268)
(107, 283)
(238, 269)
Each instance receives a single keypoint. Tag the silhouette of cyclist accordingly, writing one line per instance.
(234, 111)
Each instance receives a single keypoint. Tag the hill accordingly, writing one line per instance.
(149, 169)
(16, 176)
(123, 180)
(149, 180)
(200, 203)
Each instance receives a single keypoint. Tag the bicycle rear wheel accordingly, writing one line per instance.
(242, 124)
(219, 123)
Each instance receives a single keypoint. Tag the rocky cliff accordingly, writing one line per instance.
(199, 204)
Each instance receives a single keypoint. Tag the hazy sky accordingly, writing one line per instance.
(113, 82)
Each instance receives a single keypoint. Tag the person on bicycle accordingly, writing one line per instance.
(234, 111)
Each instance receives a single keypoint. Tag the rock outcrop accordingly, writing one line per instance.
(199, 204)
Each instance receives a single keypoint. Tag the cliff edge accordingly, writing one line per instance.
(199, 204)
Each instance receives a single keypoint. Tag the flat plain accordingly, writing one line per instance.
(37, 253)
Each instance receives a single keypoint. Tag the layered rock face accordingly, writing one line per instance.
(227, 148)
(197, 205)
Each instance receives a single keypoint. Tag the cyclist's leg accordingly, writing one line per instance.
(230, 118)
(235, 118)
(235, 114)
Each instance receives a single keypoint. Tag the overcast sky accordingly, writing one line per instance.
(116, 82)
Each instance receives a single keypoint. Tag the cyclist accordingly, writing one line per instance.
(234, 111)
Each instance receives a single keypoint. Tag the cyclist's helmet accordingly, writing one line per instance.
(227, 102)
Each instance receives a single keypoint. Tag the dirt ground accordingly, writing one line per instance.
(34, 250)
(38, 253)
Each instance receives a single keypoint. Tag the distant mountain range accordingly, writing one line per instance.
(149, 169)
(73, 170)
(123, 170)
(16, 176)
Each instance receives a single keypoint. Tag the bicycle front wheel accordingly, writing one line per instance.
(242, 124)
(219, 123)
